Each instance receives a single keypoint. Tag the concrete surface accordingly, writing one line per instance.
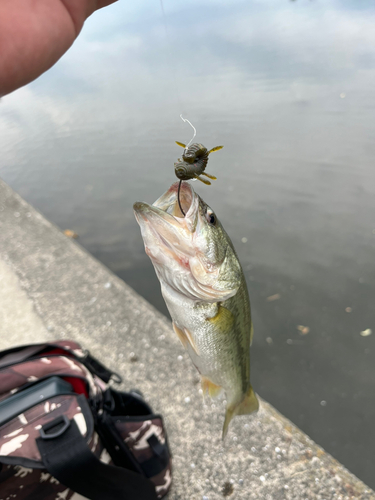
(52, 288)
(17, 314)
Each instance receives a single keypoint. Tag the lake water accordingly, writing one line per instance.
(288, 89)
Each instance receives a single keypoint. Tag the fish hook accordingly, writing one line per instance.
(178, 198)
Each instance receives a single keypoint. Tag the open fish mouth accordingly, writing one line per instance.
(166, 213)
(189, 255)
(168, 202)
(163, 225)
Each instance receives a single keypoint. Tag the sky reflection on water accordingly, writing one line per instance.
(288, 88)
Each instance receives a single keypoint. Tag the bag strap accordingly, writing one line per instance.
(95, 366)
(68, 458)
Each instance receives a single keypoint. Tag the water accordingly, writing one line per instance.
(288, 88)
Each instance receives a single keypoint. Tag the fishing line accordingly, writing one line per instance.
(192, 126)
(170, 53)
(171, 62)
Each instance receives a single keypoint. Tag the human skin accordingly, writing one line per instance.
(34, 34)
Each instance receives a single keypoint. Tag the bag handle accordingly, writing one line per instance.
(19, 354)
(68, 458)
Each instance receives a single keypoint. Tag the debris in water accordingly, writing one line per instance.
(304, 330)
(227, 489)
(348, 309)
(70, 234)
(276, 296)
(366, 332)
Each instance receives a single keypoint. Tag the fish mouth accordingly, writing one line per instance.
(168, 208)
(172, 201)
(177, 245)
(163, 224)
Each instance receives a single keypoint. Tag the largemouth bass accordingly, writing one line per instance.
(204, 288)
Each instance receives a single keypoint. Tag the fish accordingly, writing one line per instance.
(205, 291)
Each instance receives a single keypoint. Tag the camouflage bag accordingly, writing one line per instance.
(64, 432)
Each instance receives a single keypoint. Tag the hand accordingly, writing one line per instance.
(34, 34)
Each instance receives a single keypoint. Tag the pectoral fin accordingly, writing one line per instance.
(223, 319)
(248, 405)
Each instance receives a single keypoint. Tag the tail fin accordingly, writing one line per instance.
(248, 405)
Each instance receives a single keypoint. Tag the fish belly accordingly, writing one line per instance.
(217, 348)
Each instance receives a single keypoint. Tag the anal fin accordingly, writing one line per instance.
(209, 387)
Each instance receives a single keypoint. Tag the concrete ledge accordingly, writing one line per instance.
(52, 288)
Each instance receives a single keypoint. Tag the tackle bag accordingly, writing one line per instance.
(64, 432)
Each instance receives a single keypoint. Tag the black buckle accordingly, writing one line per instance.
(62, 423)
(100, 370)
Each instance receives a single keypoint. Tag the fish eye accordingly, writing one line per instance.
(211, 217)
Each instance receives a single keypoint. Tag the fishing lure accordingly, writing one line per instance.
(193, 163)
